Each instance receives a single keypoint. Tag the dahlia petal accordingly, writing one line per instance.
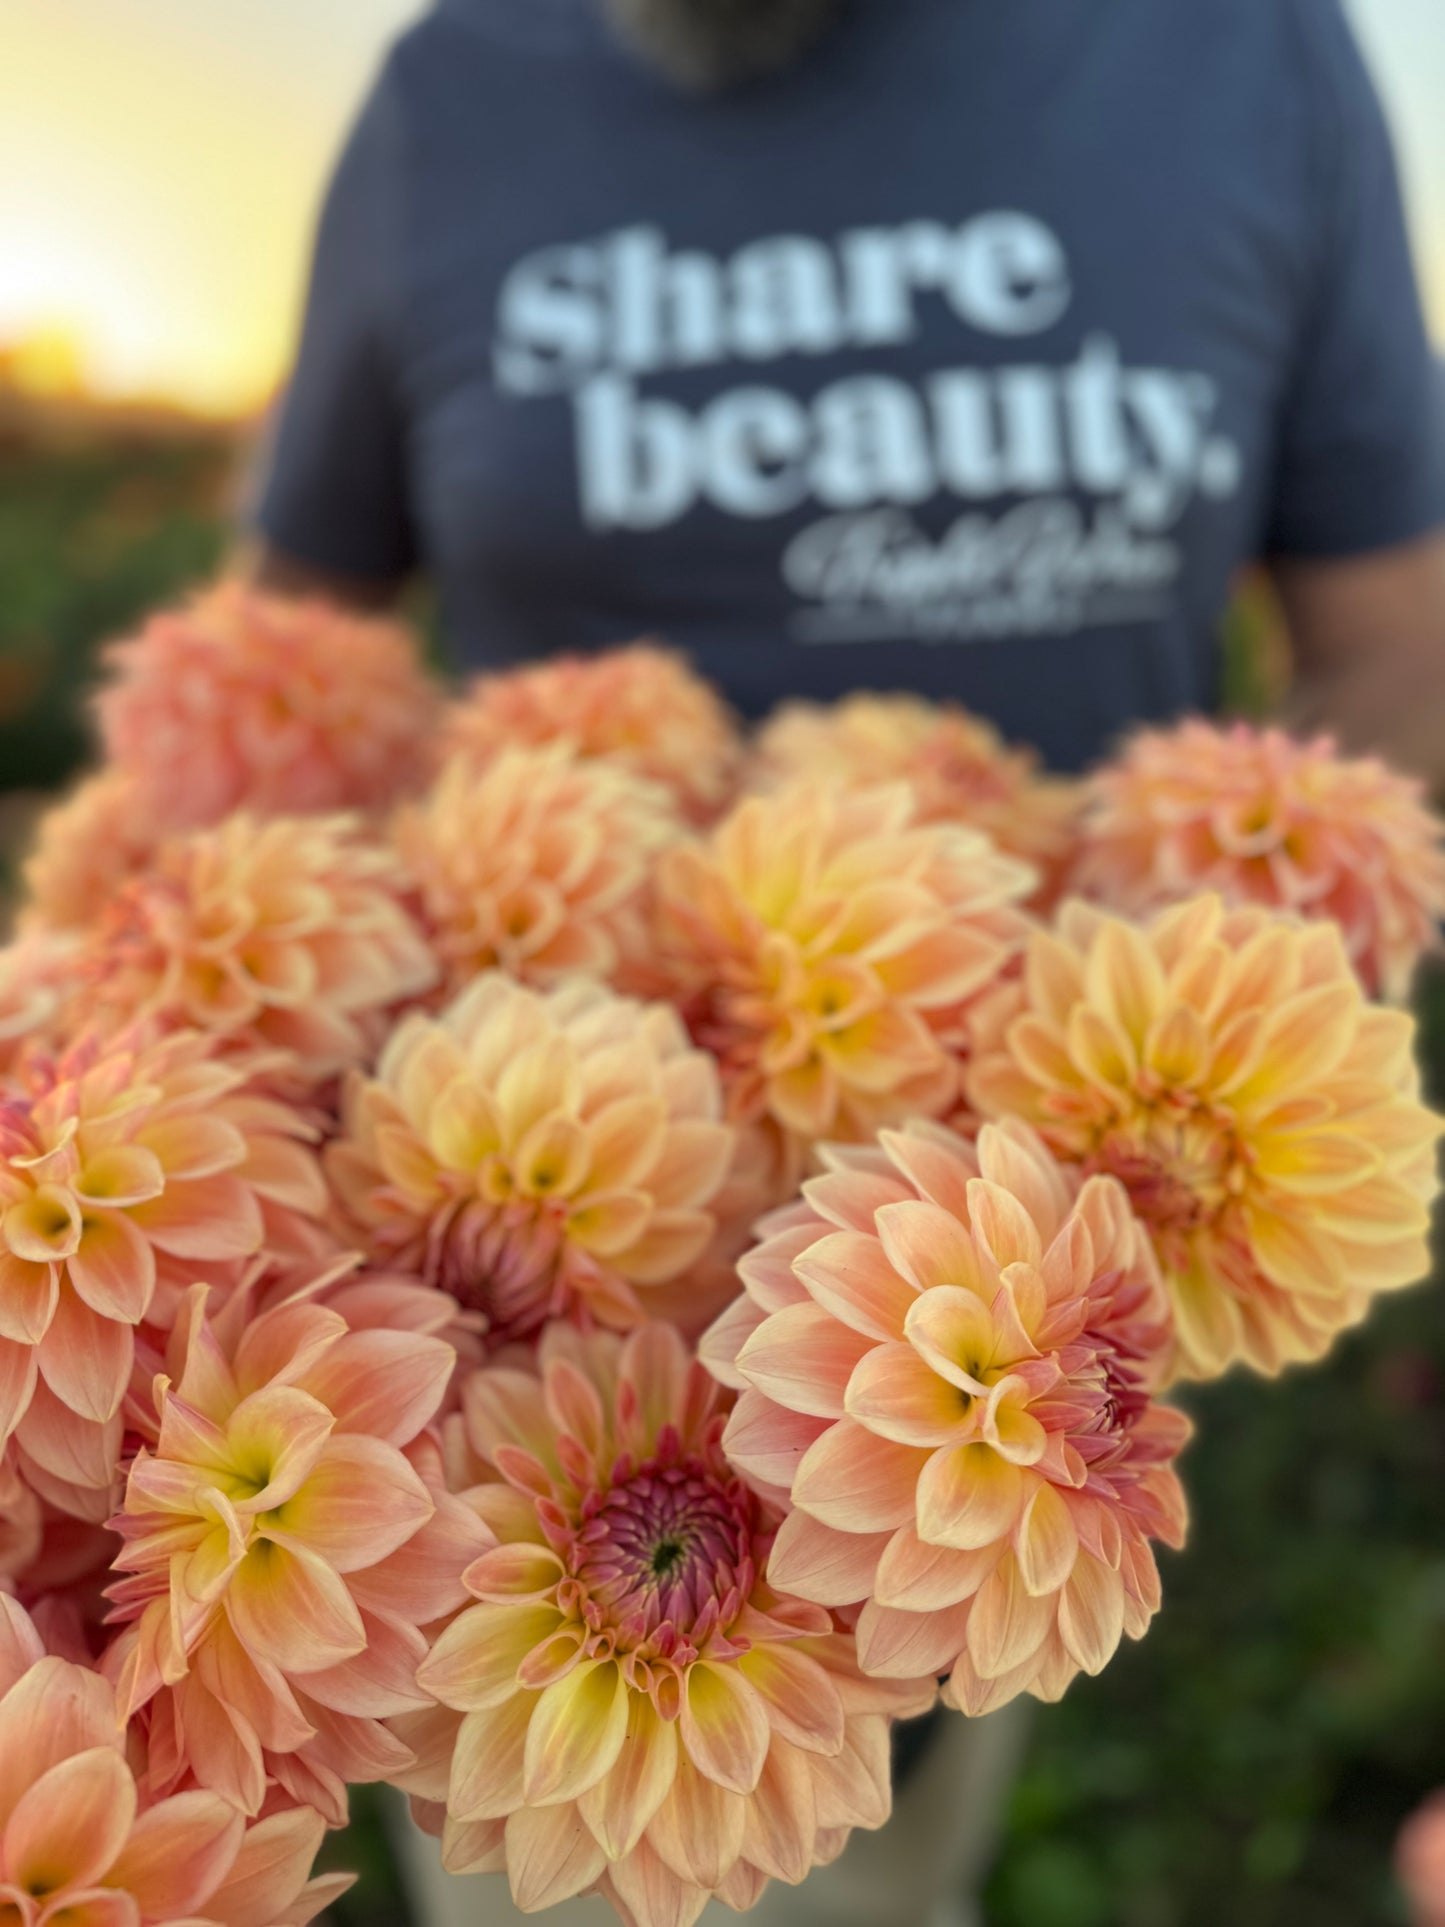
(209, 1218)
(85, 1358)
(488, 1760)
(725, 1337)
(851, 1479)
(820, 1563)
(576, 1733)
(71, 1823)
(803, 1705)
(1006, 1623)
(672, 1241)
(473, 1664)
(288, 1606)
(698, 1829)
(782, 1816)
(767, 1442)
(379, 1683)
(78, 1451)
(626, 1139)
(20, 1644)
(951, 1328)
(54, 1711)
(803, 1358)
(908, 1645)
(113, 1269)
(652, 1893)
(359, 1502)
(724, 1726)
(18, 1369)
(44, 1226)
(968, 1497)
(27, 1299)
(125, 1174)
(1207, 1321)
(1001, 1221)
(1091, 1613)
(193, 1146)
(610, 1222)
(178, 1853)
(1123, 977)
(930, 1248)
(916, 1577)
(551, 1856)
(268, 1875)
(896, 1395)
(274, 1440)
(1100, 1049)
(848, 1275)
(517, 1573)
(1045, 1542)
(619, 1807)
(474, 1846)
(92, 1907)
(854, 1788)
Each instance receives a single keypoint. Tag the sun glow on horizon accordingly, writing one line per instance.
(161, 163)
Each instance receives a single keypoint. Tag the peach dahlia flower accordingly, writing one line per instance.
(1262, 818)
(639, 707)
(535, 862)
(1263, 1116)
(80, 1848)
(286, 935)
(537, 1155)
(821, 943)
(643, 1712)
(945, 1357)
(240, 700)
(118, 1161)
(283, 1540)
(960, 766)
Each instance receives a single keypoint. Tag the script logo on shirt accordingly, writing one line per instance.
(1070, 477)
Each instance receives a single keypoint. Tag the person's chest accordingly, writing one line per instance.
(971, 333)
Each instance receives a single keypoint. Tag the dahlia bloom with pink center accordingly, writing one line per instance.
(120, 1160)
(288, 935)
(1264, 819)
(639, 707)
(535, 862)
(960, 767)
(1264, 1117)
(537, 1155)
(79, 1847)
(946, 1357)
(283, 1541)
(240, 700)
(643, 1712)
(85, 847)
(821, 944)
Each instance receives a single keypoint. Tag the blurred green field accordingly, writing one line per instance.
(1249, 1763)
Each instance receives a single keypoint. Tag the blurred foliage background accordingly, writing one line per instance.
(1249, 1763)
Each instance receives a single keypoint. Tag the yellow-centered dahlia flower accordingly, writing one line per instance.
(1264, 1117)
(945, 1357)
(244, 701)
(821, 944)
(281, 1544)
(643, 1712)
(537, 1155)
(288, 935)
(80, 1845)
(960, 766)
(120, 1160)
(85, 847)
(535, 863)
(1262, 818)
(639, 707)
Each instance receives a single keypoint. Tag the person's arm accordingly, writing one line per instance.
(1368, 635)
(333, 513)
(1357, 534)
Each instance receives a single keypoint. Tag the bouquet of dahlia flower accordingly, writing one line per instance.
(581, 1264)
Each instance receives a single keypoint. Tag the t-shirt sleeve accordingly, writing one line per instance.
(334, 484)
(1361, 461)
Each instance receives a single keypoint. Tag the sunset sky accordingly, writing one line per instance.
(160, 162)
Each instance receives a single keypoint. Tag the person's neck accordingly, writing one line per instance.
(707, 45)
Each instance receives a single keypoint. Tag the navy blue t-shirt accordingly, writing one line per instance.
(971, 355)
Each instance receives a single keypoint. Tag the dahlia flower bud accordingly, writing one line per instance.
(1263, 819)
(821, 944)
(288, 935)
(640, 708)
(82, 1848)
(945, 1356)
(85, 847)
(961, 769)
(244, 701)
(535, 862)
(537, 1155)
(283, 1540)
(119, 1160)
(1263, 1116)
(644, 1713)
